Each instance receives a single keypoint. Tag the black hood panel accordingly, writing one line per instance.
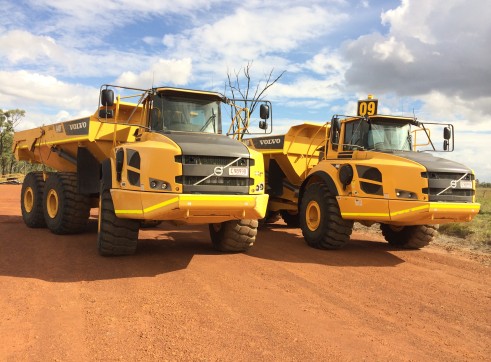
(208, 144)
(434, 164)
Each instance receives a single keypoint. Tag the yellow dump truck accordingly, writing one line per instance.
(368, 168)
(163, 157)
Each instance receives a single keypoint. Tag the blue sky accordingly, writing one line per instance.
(414, 55)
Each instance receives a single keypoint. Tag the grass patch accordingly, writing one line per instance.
(478, 231)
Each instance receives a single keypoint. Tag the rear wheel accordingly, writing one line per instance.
(320, 219)
(32, 200)
(65, 210)
(115, 236)
(233, 235)
(270, 218)
(409, 237)
(290, 218)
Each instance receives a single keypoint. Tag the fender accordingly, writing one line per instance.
(325, 179)
(106, 177)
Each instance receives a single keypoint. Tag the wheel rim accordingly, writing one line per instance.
(28, 199)
(312, 216)
(52, 203)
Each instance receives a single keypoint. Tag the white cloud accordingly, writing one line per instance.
(165, 71)
(20, 45)
(430, 52)
(80, 16)
(36, 92)
(392, 49)
(327, 62)
(249, 34)
(19, 48)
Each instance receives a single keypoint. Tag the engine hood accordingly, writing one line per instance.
(434, 164)
(208, 144)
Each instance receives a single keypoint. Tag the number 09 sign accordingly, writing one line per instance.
(367, 107)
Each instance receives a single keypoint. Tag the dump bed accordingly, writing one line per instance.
(295, 152)
(57, 145)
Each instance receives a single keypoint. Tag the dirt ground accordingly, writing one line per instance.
(177, 299)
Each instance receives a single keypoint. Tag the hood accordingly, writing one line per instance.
(208, 144)
(432, 163)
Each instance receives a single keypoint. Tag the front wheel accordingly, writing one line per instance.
(233, 235)
(115, 236)
(320, 219)
(409, 237)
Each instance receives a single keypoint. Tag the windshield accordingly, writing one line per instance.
(384, 135)
(185, 114)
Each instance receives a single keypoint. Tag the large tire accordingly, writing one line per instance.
(270, 218)
(31, 202)
(234, 235)
(65, 210)
(320, 219)
(149, 224)
(409, 237)
(291, 219)
(115, 236)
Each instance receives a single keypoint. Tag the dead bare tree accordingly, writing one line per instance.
(242, 88)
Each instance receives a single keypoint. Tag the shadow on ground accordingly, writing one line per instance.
(39, 254)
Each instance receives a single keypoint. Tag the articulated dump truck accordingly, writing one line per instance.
(160, 158)
(368, 168)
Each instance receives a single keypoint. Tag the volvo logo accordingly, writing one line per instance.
(453, 184)
(218, 171)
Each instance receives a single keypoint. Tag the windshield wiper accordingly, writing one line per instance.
(212, 117)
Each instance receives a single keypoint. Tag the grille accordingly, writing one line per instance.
(214, 160)
(447, 176)
(441, 189)
(215, 180)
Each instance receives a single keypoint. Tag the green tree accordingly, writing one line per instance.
(8, 121)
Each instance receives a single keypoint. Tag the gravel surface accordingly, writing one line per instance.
(177, 299)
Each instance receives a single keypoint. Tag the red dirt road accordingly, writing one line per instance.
(177, 299)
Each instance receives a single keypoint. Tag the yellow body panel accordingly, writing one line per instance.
(187, 208)
(103, 137)
(35, 145)
(299, 157)
(405, 212)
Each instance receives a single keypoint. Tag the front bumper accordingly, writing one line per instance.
(399, 212)
(187, 208)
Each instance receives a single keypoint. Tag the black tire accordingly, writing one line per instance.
(270, 218)
(115, 236)
(291, 219)
(65, 210)
(233, 235)
(148, 224)
(409, 237)
(320, 219)
(31, 202)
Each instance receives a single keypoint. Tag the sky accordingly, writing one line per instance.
(416, 56)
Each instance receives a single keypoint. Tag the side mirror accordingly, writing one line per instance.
(107, 97)
(335, 130)
(445, 145)
(106, 113)
(264, 112)
(263, 125)
(447, 133)
(119, 163)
